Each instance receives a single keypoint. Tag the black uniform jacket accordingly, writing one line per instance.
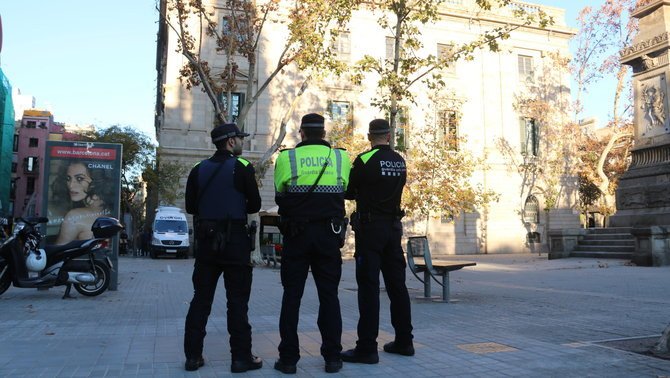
(244, 181)
(376, 181)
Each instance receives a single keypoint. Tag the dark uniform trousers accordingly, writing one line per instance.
(378, 247)
(315, 246)
(209, 265)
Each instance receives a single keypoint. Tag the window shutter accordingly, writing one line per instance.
(536, 137)
(523, 136)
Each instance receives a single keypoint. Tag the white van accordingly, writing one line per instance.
(170, 233)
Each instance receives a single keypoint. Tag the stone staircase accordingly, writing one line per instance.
(606, 243)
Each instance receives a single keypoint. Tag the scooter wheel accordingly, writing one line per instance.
(5, 279)
(100, 285)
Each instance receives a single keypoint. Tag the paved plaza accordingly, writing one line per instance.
(511, 315)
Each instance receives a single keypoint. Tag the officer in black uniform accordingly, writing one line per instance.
(310, 181)
(220, 192)
(376, 183)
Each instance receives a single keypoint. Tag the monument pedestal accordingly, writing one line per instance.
(643, 194)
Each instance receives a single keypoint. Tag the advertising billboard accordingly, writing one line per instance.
(82, 183)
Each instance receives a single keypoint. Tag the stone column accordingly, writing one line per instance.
(643, 195)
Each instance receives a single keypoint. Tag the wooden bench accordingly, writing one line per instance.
(419, 260)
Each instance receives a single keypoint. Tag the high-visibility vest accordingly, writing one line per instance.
(296, 171)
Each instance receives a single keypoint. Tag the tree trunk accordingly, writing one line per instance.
(663, 344)
(256, 257)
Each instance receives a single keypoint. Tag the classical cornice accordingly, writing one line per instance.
(632, 52)
(464, 10)
(649, 7)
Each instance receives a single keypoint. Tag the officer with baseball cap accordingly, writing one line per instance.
(310, 181)
(376, 183)
(220, 192)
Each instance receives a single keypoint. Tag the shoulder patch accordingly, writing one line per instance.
(367, 155)
(244, 161)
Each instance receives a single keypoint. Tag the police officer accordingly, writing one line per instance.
(220, 192)
(376, 183)
(310, 181)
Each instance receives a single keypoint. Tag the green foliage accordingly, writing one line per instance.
(138, 149)
(163, 179)
(405, 21)
(439, 179)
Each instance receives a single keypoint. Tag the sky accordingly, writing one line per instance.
(93, 62)
(89, 62)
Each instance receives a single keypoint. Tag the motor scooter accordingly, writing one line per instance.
(26, 265)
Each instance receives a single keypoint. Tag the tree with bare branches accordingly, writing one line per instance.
(236, 31)
(603, 32)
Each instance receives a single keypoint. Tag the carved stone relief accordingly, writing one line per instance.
(652, 104)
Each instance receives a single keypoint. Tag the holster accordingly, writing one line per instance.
(355, 221)
(252, 235)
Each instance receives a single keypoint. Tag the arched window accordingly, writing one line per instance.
(531, 210)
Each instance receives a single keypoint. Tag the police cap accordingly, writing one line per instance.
(379, 126)
(225, 131)
(312, 120)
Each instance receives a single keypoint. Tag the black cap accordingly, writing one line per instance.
(379, 126)
(225, 131)
(312, 120)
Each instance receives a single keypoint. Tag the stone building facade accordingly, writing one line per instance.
(486, 89)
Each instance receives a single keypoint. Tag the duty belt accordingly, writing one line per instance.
(371, 217)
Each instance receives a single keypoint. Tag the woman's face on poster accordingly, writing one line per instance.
(78, 181)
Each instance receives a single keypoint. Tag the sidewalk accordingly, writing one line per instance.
(512, 315)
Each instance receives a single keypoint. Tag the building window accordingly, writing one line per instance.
(444, 52)
(401, 129)
(235, 26)
(340, 112)
(526, 72)
(43, 125)
(30, 186)
(31, 124)
(14, 165)
(343, 46)
(237, 101)
(390, 49)
(447, 122)
(30, 164)
(33, 142)
(15, 146)
(531, 210)
(530, 136)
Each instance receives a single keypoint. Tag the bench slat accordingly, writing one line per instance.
(453, 265)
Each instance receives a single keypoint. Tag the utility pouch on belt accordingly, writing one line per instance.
(215, 233)
(292, 227)
(339, 227)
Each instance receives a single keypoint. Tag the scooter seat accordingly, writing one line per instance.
(54, 249)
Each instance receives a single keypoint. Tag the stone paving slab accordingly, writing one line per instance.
(512, 315)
